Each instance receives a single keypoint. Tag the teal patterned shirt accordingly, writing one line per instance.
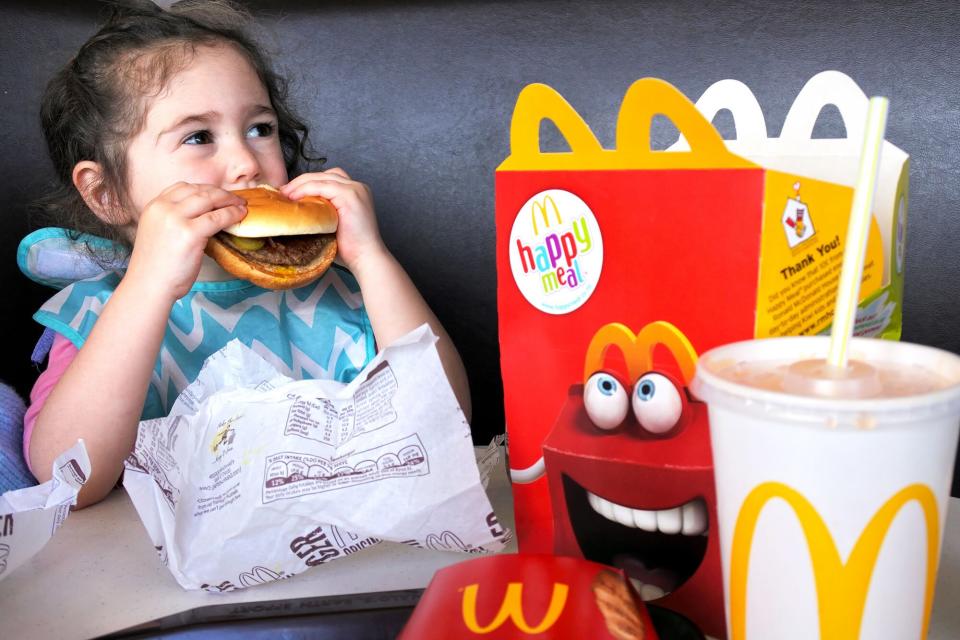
(320, 330)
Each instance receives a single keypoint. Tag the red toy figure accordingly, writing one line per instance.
(631, 472)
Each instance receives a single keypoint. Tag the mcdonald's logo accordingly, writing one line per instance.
(842, 588)
(541, 208)
(512, 608)
(637, 349)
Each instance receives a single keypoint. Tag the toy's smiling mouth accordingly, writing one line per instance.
(689, 519)
(659, 549)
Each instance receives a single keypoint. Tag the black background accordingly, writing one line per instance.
(415, 99)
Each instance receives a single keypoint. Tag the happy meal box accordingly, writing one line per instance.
(616, 267)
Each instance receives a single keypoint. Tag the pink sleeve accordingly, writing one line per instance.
(61, 355)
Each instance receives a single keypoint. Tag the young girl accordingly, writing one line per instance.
(156, 120)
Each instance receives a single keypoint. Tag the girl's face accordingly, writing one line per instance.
(212, 124)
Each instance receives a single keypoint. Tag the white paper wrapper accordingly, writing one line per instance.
(255, 477)
(29, 517)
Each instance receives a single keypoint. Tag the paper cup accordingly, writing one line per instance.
(831, 511)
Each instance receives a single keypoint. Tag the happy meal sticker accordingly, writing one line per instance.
(556, 251)
(797, 223)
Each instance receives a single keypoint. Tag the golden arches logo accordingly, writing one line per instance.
(512, 608)
(841, 588)
(638, 349)
(541, 208)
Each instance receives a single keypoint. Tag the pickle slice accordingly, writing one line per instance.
(247, 244)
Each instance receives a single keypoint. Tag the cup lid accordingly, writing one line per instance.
(712, 381)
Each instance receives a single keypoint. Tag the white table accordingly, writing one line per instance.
(99, 574)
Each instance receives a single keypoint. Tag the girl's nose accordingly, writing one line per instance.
(242, 165)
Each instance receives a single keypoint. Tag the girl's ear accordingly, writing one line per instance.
(101, 200)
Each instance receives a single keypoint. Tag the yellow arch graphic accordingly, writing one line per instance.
(841, 588)
(512, 608)
(638, 349)
(541, 208)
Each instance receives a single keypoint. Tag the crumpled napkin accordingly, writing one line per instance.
(29, 517)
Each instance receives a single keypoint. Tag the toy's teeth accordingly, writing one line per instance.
(689, 519)
(694, 515)
(647, 592)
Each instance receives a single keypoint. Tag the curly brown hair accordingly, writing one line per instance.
(95, 104)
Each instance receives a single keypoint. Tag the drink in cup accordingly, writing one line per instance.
(832, 484)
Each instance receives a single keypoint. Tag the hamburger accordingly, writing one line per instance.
(281, 243)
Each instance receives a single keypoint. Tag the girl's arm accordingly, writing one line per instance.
(101, 394)
(393, 303)
(396, 307)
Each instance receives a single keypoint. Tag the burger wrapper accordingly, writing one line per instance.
(255, 477)
(29, 517)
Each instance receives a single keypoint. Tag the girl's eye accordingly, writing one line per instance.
(198, 137)
(261, 130)
(606, 401)
(656, 403)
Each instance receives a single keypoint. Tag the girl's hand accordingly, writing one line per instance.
(392, 301)
(172, 233)
(358, 236)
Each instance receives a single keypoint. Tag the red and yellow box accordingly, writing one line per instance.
(506, 597)
(615, 269)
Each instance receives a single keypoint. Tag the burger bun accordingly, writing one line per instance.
(270, 213)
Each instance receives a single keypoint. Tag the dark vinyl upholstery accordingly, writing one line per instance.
(415, 98)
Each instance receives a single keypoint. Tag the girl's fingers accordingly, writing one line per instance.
(333, 175)
(176, 192)
(337, 171)
(174, 189)
(180, 190)
(210, 223)
(300, 186)
(325, 187)
(204, 198)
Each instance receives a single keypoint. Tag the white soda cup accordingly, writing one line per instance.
(831, 510)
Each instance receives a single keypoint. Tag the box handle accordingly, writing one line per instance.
(644, 99)
(650, 97)
(748, 122)
(827, 87)
(539, 102)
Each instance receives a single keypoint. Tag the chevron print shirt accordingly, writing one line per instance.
(320, 330)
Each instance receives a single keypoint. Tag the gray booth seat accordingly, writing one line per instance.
(415, 99)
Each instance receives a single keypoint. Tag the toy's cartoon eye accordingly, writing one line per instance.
(657, 403)
(606, 401)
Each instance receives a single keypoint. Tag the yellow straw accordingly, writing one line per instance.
(848, 290)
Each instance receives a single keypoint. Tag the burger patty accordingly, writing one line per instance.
(291, 251)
